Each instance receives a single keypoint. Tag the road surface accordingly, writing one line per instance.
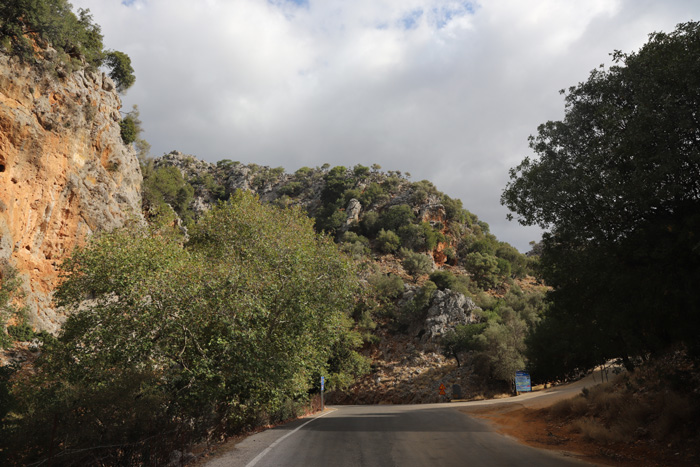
(387, 435)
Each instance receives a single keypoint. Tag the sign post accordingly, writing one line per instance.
(323, 383)
(522, 382)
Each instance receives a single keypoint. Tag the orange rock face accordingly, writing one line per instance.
(64, 173)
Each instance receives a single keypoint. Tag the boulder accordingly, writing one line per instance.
(447, 310)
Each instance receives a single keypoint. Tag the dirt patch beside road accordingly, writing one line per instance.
(528, 420)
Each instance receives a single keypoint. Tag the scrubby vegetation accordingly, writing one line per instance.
(495, 345)
(76, 39)
(180, 343)
(10, 309)
(656, 406)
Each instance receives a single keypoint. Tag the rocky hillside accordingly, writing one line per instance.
(64, 170)
(430, 268)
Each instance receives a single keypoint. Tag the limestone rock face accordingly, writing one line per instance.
(353, 213)
(64, 172)
(447, 310)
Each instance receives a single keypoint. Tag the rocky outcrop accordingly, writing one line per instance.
(353, 214)
(447, 310)
(64, 171)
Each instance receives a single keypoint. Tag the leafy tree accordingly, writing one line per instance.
(337, 182)
(360, 171)
(396, 217)
(180, 343)
(370, 225)
(76, 38)
(518, 262)
(165, 185)
(374, 193)
(484, 269)
(131, 129)
(121, 70)
(464, 338)
(617, 182)
(52, 21)
(419, 237)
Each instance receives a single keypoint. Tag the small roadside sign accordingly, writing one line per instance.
(323, 402)
(522, 381)
(442, 389)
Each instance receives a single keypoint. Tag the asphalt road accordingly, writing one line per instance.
(387, 435)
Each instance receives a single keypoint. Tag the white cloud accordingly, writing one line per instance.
(446, 90)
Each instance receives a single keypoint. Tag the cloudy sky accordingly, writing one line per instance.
(448, 91)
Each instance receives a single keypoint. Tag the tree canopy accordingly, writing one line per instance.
(617, 183)
(173, 342)
(76, 38)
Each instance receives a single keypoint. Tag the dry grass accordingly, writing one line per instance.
(658, 406)
(673, 412)
(594, 430)
(573, 407)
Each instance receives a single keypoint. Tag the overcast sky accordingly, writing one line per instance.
(448, 91)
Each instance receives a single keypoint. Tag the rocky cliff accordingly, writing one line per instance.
(64, 171)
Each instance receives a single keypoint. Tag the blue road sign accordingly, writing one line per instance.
(522, 381)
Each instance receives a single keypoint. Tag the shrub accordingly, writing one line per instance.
(450, 254)
(129, 132)
(337, 182)
(417, 307)
(387, 286)
(21, 332)
(416, 264)
(412, 237)
(484, 269)
(374, 193)
(303, 172)
(165, 185)
(10, 290)
(388, 241)
(443, 279)
(396, 217)
(360, 171)
(369, 225)
(291, 189)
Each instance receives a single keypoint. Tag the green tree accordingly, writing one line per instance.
(165, 185)
(617, 183)
(484, 269)
(181, 343)
(419, 237)
(51, 21)
(129, 130)
(464, 338)
(121, 70)
(396, 217)
(76, 38)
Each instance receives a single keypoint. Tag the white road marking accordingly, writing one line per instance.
(269, 448)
